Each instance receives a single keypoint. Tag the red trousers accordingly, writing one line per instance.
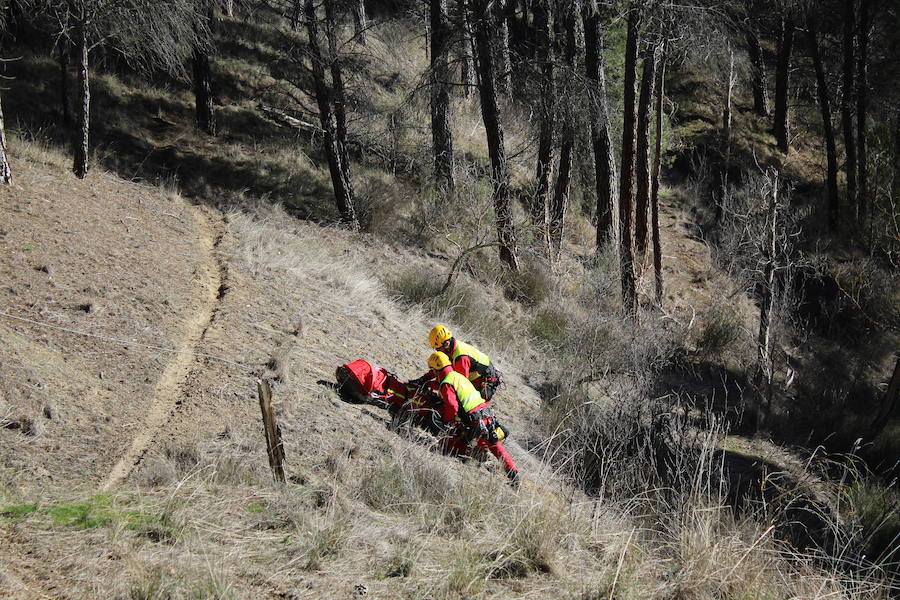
(457, 445)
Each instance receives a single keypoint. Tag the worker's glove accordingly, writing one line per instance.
(419, 381)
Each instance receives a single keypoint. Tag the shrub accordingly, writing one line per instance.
(718, 332)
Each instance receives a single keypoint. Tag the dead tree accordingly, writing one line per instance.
(629, 149)
(483, 25)
(831, 185)
(601, 135)
(764, 339)
(441, 134)
(782, 80)
(340, 174)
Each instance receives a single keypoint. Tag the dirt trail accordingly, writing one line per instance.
(168, 389)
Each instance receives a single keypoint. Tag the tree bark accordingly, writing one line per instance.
(626, 190)
(831, 185)
(764, 340)
(541, 205)
(654, 195)
(847, 94)
(343, 189)
(782, 74)
(560, 201)
(642, 168)
(5, 171)
(64, 102)
(360, 22)
(339, 97)
(484, 30)
(601, 135)
(504, 61)
(203, 95)
(80, 162)
(441, 134)
(726, 138)
(862, 82)
(758, 73)
(468, 69)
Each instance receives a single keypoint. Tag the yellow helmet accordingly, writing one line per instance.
(438, 360)
(439, 334)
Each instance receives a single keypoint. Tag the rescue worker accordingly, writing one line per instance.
(468, 415)
(467, 360)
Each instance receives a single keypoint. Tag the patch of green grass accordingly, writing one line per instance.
(18, 512)
(96, 512)
(255, 508)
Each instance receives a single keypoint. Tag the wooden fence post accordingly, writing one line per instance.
(274, 445)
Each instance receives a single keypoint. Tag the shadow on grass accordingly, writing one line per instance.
(143, 134)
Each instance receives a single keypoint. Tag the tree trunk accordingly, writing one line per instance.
(847, 103)
(561, 196)
(758, 73)
(441, 135)
(297, 8)
(343, 190)
(64, 101)
(338, 96)
(484, 30)
(541, 205)
(203, 96)
(764, 340)
(831, 186)
(654, 195)
(626, 189)
(726, 138)
(80, 163)
(642, 168)
(504, 61)
(5, 171)
(468, 69)
(862, 82)
(601, 135)
(782, 74)
(360, 22)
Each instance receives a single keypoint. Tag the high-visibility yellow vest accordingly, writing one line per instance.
(480, 360)
(468, 397)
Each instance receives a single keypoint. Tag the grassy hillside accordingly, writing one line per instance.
(140, 306)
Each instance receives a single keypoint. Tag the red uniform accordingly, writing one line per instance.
(458, 444)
